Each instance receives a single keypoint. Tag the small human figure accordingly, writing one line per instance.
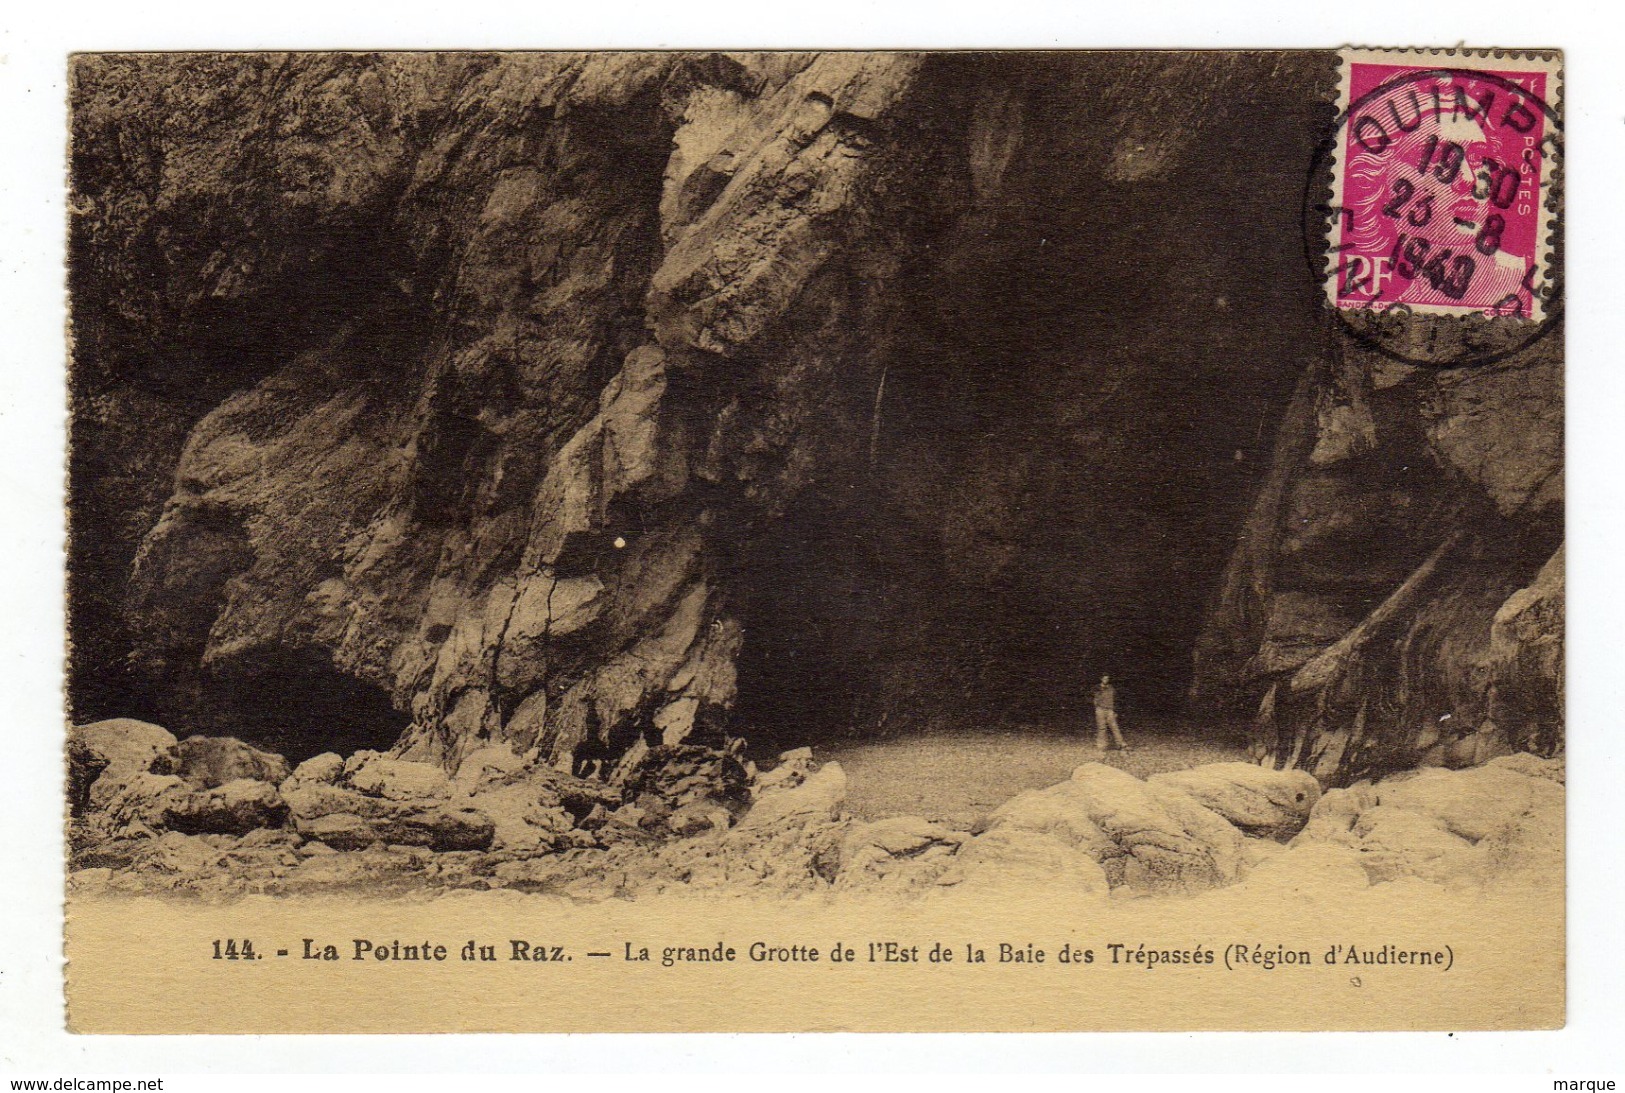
(1106, 714)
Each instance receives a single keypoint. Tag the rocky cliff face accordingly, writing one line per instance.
(517, 308)
(1396, 597)
(594, 402)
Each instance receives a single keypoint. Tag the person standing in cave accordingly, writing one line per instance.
(1106, 715)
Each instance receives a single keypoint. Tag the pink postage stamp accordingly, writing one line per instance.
(1442, 182)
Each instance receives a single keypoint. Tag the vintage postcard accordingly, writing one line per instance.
(684, 541)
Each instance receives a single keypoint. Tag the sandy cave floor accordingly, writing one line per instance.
(956, 777)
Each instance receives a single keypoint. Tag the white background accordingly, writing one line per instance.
(36, 38)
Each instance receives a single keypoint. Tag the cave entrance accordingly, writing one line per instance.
(296, 703)
(1084, 376)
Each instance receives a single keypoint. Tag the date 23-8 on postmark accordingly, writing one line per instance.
(1442, 196)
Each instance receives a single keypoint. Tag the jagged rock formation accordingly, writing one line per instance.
(592, 405)
(1396, 597)
(375, 825)
(487, 486)
(146, 782)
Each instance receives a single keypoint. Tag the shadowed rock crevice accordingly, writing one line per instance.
(295, 703)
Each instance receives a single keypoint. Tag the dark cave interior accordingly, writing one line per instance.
(1080, 406)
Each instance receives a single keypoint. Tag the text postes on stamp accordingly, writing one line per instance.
(1442, 184)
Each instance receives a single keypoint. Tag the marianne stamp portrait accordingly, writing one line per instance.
(733, 541)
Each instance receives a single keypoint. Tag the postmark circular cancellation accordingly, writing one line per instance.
(1436, 232)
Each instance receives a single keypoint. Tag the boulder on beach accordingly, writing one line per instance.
(235, 808)
(897, 852)
(123, 748)
(1260, 801)
(372, 799)
(145, 783)
(819, 797)
(1143, 839)
(211, 761)
(1479, 825)
(1472, 804)
(1020, 862)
